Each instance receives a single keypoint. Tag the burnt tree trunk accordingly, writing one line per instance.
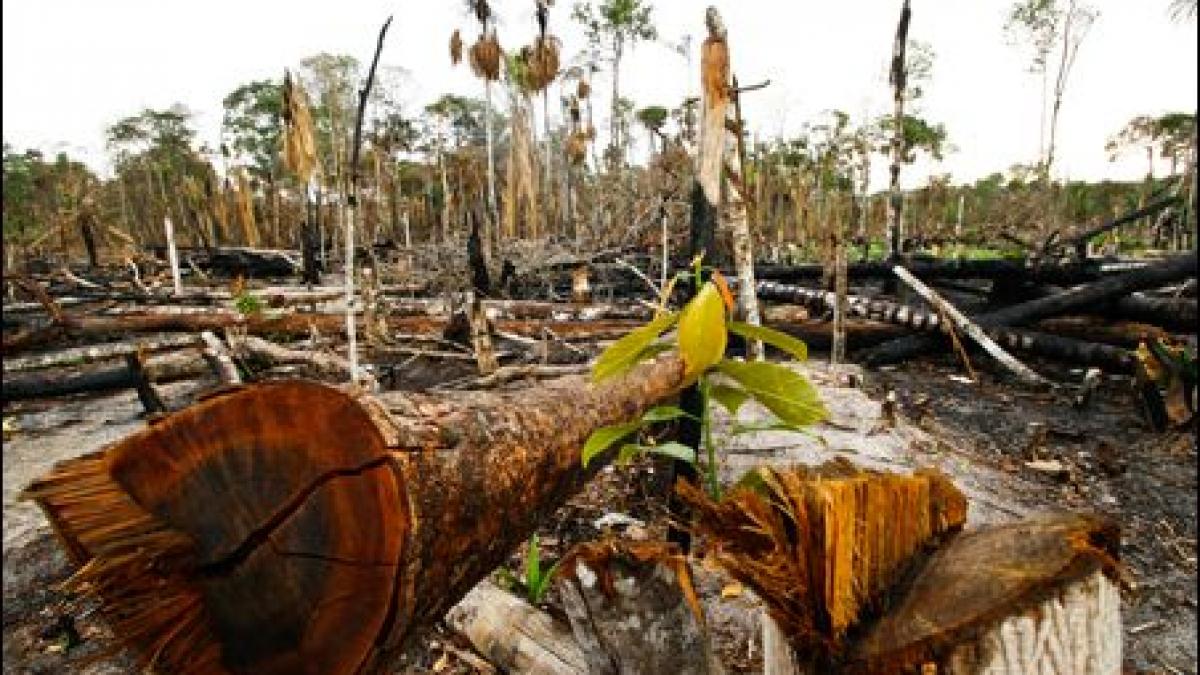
(1110, 358)
(1153, 276)
(222, 539)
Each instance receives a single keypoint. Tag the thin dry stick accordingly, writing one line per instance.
(958, 348)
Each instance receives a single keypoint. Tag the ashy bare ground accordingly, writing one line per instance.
(981, 434)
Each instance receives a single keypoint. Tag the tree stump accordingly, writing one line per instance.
(841, 560)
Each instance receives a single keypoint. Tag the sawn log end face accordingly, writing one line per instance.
(285, 523)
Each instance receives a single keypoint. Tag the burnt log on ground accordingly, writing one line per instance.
(183, 365)
(289, 324)
(1034, 271)
(224, 539)
(1154, 276)
(1171, 313)
(241, 260)
(1078, 243)
(1077, 351)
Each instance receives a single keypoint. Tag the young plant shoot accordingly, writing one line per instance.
(701, 336)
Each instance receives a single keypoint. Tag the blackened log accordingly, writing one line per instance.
(241, 260)
(1066, 349)
(931, 268)
(1079, 241)
(1153, 276)
(133, 373)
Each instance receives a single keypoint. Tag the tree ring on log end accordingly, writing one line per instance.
(297, 575)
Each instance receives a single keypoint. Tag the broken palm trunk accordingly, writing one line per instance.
(225, 539)
(840, 557)
(1112, 359)
(1153, 276)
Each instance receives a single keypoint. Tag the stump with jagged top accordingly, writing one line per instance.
(867, 572)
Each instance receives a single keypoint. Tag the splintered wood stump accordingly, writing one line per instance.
(842, 561)
(821, 546)
(293, 527)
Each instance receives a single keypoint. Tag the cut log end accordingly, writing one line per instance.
(304, 553)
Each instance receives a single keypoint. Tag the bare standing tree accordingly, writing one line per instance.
(1051, 26)
(619, 23)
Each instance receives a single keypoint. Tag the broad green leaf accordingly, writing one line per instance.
(777, 425)
(631, 348)
(604, 437)
(664, 413)
(782, 390)
(674, 450)
(777, 339)
(702, 335)
(652, 350)
(730, 397)
(628, 452)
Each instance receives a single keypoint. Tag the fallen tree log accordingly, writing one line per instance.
(1159, 274)
(183, 365)
(291, 324)
(1076, 351)
(1170, 313)
(92, 353)
(1023, 372)
(1032, 270)
(234, 260)
(377, 517)
(250, 348)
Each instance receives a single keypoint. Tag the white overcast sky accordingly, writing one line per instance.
(72, 67)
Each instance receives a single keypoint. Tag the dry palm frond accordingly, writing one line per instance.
(245, 198)
(456, 46)
(485, 57)
(573, 110)
(542, 61)
(299, 145)
(576, 148)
